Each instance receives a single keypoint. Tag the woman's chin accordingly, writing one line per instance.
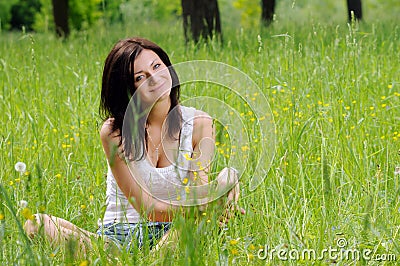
(164, 95)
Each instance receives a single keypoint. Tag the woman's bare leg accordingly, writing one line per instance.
(170, 238)
(58, 231)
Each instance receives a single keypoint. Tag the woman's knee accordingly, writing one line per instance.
(31, 228)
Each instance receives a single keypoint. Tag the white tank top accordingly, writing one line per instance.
(164, 183)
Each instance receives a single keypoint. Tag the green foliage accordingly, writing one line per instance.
(44, 21)
(84, 14)
(250, 12)
(112, 10)
(164, 10)
(5, 14)
(23, 14)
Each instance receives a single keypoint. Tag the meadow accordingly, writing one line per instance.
(333, 90)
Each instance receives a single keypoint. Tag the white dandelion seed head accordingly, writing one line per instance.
(23, 203)
(20, 167)
(397, 170)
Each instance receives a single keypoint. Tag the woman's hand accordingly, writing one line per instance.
(227, 178)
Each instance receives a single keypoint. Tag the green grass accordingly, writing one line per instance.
(334, 92)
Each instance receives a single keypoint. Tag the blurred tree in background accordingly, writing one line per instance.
(61, 16)
(201, 19)
(268, 11)
(81, 15)
(354, 6)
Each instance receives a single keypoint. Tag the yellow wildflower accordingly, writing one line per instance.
(84, 263)
(1, 216)
(27, 213)
(185, 181)
(187, 157)
(233, 242)
(245, 148)
(234, 252)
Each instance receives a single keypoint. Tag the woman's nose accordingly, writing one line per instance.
(154, 78)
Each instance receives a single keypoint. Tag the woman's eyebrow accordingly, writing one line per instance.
(152, 62)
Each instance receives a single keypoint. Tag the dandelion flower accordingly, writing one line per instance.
(27, 213)
(233, 242)
(84, 263)
(1, 216)
(20, 167)
(187, 157)
(234, 252)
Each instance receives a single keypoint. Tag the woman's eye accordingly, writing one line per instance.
(157, 66)
(139, 78)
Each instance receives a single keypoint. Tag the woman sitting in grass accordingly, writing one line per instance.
(158, 153)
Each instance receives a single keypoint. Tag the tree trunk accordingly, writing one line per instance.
(268, 11)
(201, 19)
(355, 7)
(60, 14)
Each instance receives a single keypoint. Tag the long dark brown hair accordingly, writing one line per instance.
(118, 88)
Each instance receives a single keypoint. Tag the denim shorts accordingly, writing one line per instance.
(134, 235)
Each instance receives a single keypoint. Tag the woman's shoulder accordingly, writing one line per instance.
(107, 132)
(202, 125)
(197, 114)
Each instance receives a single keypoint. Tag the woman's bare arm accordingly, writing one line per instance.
(133, 188)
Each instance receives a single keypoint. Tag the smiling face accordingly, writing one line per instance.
(152, 77)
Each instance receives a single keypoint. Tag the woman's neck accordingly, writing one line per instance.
(159, 113)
